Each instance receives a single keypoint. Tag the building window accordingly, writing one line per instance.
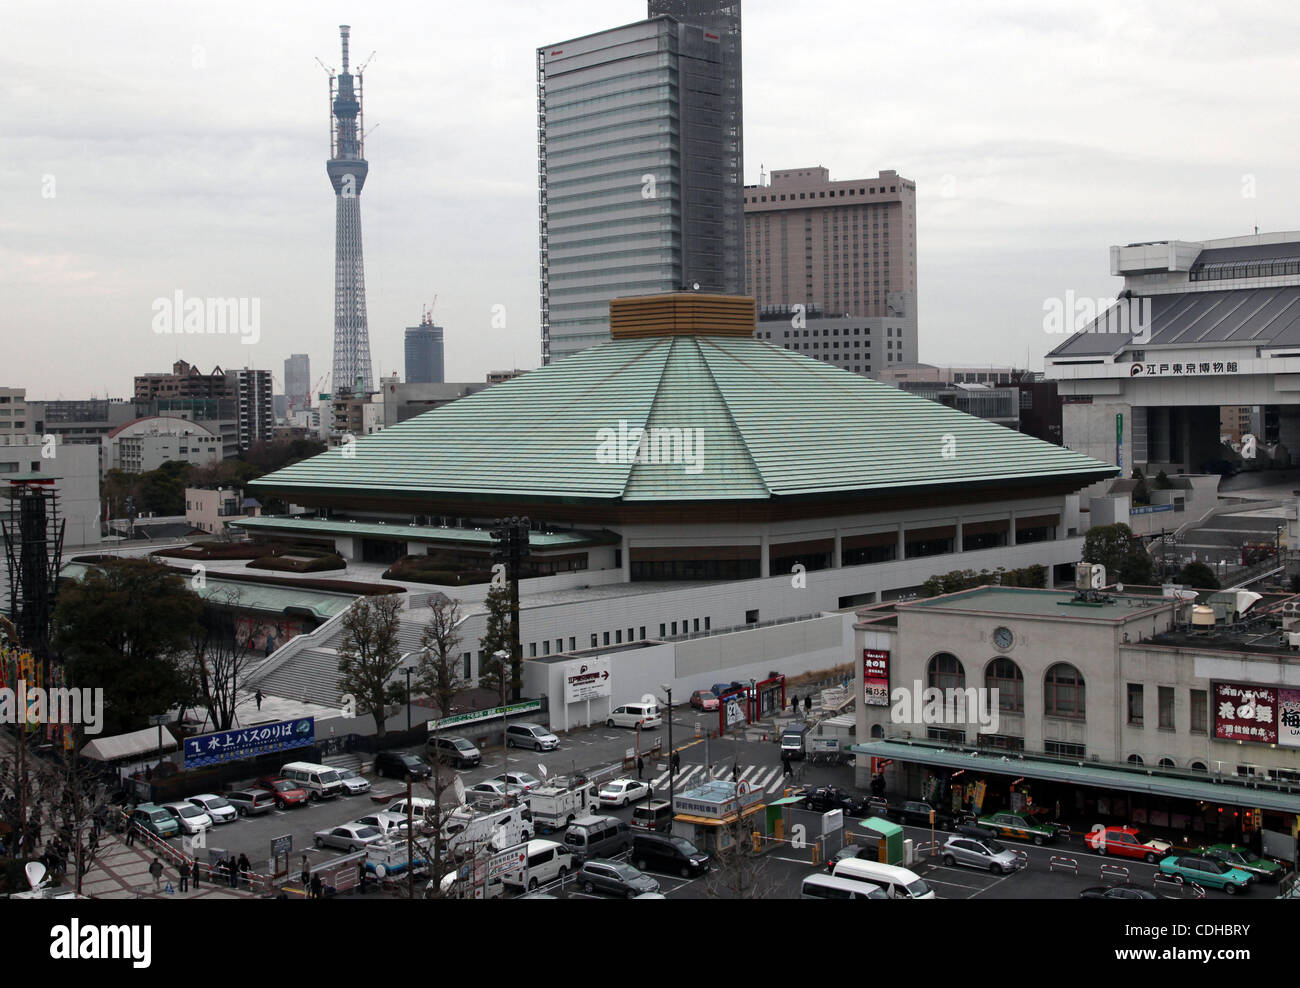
(1135, 760)
(606, 637)
(642, 634)
(663, 633)
(751, 617)
(532, 650)
(573, 643)
(1167, 763)
(1004, 676)
(1200, 707)
(1064, 749)
(618, 636)
(593, 640)
(706, 624)
(1165, 696)
(1135, 704)
(945, 672)
(465, 659)
(674, 627)
(1064, 692)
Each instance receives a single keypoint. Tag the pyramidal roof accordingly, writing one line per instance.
(684, 418)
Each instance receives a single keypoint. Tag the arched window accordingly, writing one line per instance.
(1167, 763)
(1004, 676)
(1063, 692)
(1198, 767)
(945, 672)
(877, 731)
(1135, 760)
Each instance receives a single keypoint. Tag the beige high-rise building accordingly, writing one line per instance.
(841, 247)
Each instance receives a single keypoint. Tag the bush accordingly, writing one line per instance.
(313, 563)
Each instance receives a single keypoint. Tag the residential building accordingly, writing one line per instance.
(213, 509)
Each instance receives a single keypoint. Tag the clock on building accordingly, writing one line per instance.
(1003, 638)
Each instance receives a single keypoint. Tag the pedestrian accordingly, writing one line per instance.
(735, 772)
(794, 705)
(316, 888)
(640, 766)
(245, 871)
(156, 869)
(258, 697)
(306, 873)
(807, 704)
(785, 764)
(677, 761)
(185, 876)
(196, 873)
(130, 834)
(233, 868)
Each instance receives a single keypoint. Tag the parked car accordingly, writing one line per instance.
(216, 807)
(1017, 825)
(349, 836)
(458, 752)
(494, 790)
(621, 792)
(667, 852)
(192, 819)
(849, 851)
(644, 715)
(1126, 842)
(916, 813)
(156, 820)
(522, 780)
(251, 802)
(530, 736)
(614, 878)
(1243, 858)
(825, 798)
(285, 792)
(400, 764)
(977, 853)
(654, 815)
(354, 783)
(388, 824)
(1117, 892)
(704, 700)
(1207, 872)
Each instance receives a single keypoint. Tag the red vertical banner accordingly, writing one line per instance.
(875, 677)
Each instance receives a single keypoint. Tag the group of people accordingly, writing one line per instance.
(235, 871)
(794, 704)
(312, 884)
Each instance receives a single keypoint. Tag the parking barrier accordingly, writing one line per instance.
(1161, 879)
(1197, 891)
(924, 848)
(1021, 856)
(1111, 871)
(1063, 863)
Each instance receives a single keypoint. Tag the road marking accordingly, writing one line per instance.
(999, 881)
(681, 779)
(762, 778)
(936, 881)
(658, 781)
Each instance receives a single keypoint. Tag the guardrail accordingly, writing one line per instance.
(1061, 863)
(253, 881)
(1113, 871)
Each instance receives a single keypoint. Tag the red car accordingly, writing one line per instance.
(1126, 842)
(285, 792)
(704, 700)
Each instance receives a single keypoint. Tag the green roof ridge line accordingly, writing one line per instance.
(726, 405)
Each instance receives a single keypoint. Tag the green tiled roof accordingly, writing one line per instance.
(773, 423)
(416, 533)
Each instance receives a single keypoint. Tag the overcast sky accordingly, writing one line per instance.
(154, 147)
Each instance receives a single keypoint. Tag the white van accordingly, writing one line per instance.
(321, 781)
(898, 883)
(464, 831)
(547, 861)
(830, 887)
(633, 714)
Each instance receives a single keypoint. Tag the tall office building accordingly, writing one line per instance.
(297, 383)
(841, 248)
(347, 168)
(639, 167)
(424, 352)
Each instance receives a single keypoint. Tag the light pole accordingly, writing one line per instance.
(672, 754)
(502, 657)
(409, 670)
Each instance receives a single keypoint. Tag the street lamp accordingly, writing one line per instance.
(672, 775)
(502, 657)
(408, 670)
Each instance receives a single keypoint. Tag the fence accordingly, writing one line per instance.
(253, 881)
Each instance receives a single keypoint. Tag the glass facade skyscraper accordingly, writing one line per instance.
(638, 170)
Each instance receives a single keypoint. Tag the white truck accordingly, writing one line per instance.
(466, 832)
(559, 802)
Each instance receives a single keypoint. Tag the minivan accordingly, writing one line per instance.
(530, 736)
(830, 887)
(654, 815)
(898, 883)
(643, 715)
(156, 820)
(547, 861)
(320, 781)
(458, 751)
(664, 852)
(598, 837)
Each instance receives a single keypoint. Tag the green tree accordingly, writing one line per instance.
(1162, 482)
(125, 628)
(1111, 546)
(1137, 567)
(1198, 576)
(496, 638)
(369, 656)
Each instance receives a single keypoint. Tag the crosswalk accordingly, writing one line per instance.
(768, 778)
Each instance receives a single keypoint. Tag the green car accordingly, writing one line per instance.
(1018, 826)
(1243, 858)
(1207, 872)
(156, 820)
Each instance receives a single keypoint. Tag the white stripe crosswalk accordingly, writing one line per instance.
(768, 778)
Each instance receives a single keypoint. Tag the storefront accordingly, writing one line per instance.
(708, 815)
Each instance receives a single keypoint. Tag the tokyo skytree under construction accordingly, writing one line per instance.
(347, 171)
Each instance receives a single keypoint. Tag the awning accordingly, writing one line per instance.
(133, 745)
(1148, 781)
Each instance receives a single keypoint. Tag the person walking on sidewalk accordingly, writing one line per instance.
(195, 873)
(316, 887)
(807, 704)
(130, 833)
(245, 871)
(185, 877)
(677, 761)
(785, 764)
(156, 869)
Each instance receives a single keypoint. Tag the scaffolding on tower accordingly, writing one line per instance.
(33, 538)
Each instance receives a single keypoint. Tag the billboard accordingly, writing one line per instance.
(587, 679)
(875, 677)
(228, 746)
(1260, 714)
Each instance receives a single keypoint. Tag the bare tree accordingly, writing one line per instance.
(369, 655)
(737, 871)
(437, 674)
(219, 660)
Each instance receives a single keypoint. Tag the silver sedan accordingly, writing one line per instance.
(349, 837)
(981, 852)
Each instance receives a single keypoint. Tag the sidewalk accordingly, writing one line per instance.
(122, 872)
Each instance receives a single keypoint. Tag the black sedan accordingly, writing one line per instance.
(400, 764)
(1117, 892)
(825, 798)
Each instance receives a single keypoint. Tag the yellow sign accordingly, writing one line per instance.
(980, 788)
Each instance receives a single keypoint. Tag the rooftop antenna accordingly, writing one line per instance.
(762, 175)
